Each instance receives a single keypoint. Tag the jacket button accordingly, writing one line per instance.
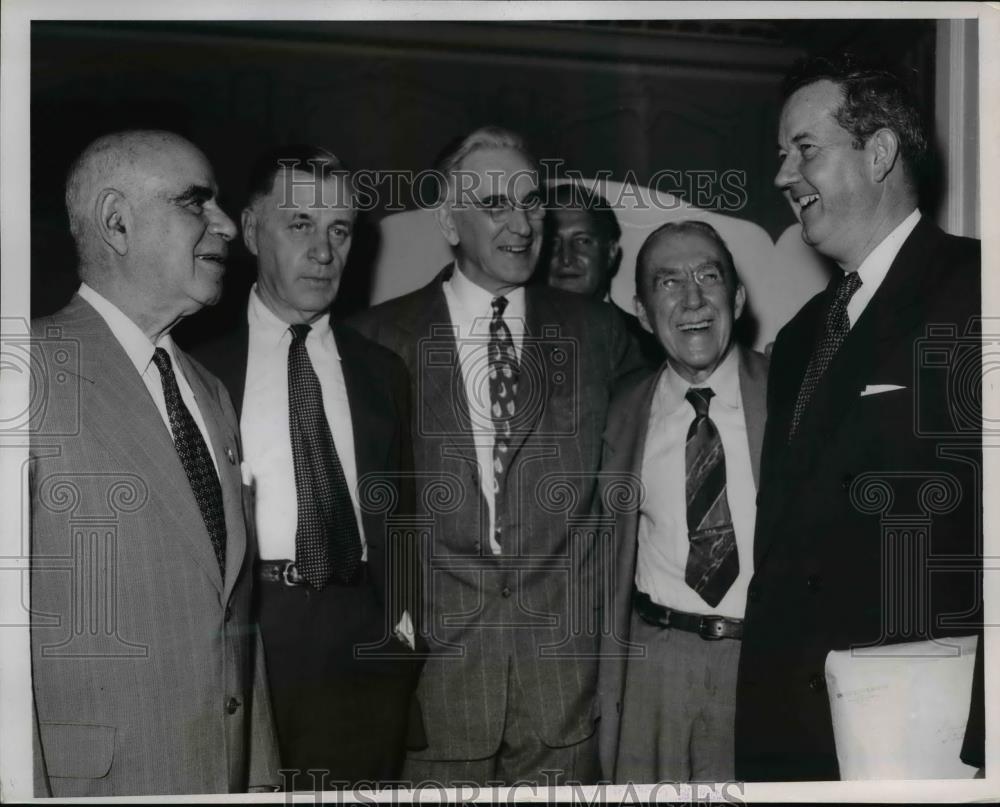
(845, 483)
(817, 683)
(232, 705)
(753, 593)
(478, 546)
(814, 583)
(229, 613)
(505, 591)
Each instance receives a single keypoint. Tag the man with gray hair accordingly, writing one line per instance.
(147, 673)
(511, 386)
(692, 433)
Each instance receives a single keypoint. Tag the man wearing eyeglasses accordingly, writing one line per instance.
(511, 387)
(692, 433)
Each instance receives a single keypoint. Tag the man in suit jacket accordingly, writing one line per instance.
(511, 392)
(667, 711)
(339, 639)
(865, 420)
(581, 254)
(147, 672)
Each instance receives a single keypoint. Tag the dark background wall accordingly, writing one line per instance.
(629, 98)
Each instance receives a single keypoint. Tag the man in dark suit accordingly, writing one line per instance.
(667, 714)
(511, 388)
(325, 420)
(147, 671)
(581, 254)
(865, 419)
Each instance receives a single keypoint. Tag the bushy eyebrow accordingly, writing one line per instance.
(194, 193)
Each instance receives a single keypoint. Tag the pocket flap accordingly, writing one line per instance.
(77, 750)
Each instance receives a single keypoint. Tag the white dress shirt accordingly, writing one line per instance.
(267, 440)
(471, 310)
(663, 533)
(140, 350)
(875, 267)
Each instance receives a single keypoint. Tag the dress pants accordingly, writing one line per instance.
(521, 758)
(679, 708)
(343, 716)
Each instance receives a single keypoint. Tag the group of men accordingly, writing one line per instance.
(482, 532)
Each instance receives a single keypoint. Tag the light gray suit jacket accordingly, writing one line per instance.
(147, 671)
(624, 443)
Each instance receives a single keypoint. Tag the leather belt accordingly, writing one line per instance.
(285, 571)
(707, 627)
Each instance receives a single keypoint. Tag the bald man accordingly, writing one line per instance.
(146, 670)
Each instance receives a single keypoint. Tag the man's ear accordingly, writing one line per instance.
(113, 216)
(885, 149)
(640, 312)
(739, 301)
(446, 221)
(248, 224)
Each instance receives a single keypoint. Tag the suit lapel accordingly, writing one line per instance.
(753, 391)
(537, 368)
(141, 438)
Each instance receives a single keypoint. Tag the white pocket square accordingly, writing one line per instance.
(876, 389)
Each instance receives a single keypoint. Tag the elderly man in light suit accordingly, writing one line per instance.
(690, 434)
(147, 675)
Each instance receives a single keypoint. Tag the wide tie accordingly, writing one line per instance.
(713, 563)
(327, 540)
(194, 456)
(836, 327)
(504, 373)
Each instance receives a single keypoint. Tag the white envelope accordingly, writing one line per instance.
(899, 711)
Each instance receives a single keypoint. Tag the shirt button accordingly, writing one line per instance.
(232, 705)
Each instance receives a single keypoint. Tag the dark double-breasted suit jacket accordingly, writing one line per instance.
(522, 622)
(624, 446)
(869, 522)
(148, 675)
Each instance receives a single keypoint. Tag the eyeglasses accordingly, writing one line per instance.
(500, 208)
(674, 281)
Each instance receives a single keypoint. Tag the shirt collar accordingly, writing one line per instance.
(478, 302)
(875, 267)
(267, 326)
(724, 382)
(135, 343)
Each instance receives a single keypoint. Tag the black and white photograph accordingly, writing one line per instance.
(498, 401)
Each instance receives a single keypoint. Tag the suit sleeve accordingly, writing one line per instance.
(626, 354)
(263, 749)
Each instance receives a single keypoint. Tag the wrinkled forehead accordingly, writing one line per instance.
(307, 190)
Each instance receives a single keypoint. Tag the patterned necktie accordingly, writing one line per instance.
(837, 326)
(713, 563)
(197, 462)
(327, 540)
(504, 372)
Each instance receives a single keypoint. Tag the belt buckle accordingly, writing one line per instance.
(711, 628)
(290, 574)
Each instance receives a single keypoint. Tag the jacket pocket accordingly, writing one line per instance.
(77, 750)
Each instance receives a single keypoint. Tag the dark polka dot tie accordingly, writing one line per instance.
(504, 372)
(195, 459)
(837, 326)
(713, 563)
(327, 540)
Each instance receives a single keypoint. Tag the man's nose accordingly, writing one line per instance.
(320, 251)
(693, 297)
(221, 224)
(788, 173)
(566, 253)
(518, 222)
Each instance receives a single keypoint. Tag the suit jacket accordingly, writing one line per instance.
(525, 620)
(869, 523)
(649, 346)
(378, 392)
(147, 672)
(624, 446)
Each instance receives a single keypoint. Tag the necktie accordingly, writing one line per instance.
(713, 563)
(504, 372)
(194, 456)
(837, 326)
(327, 540)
